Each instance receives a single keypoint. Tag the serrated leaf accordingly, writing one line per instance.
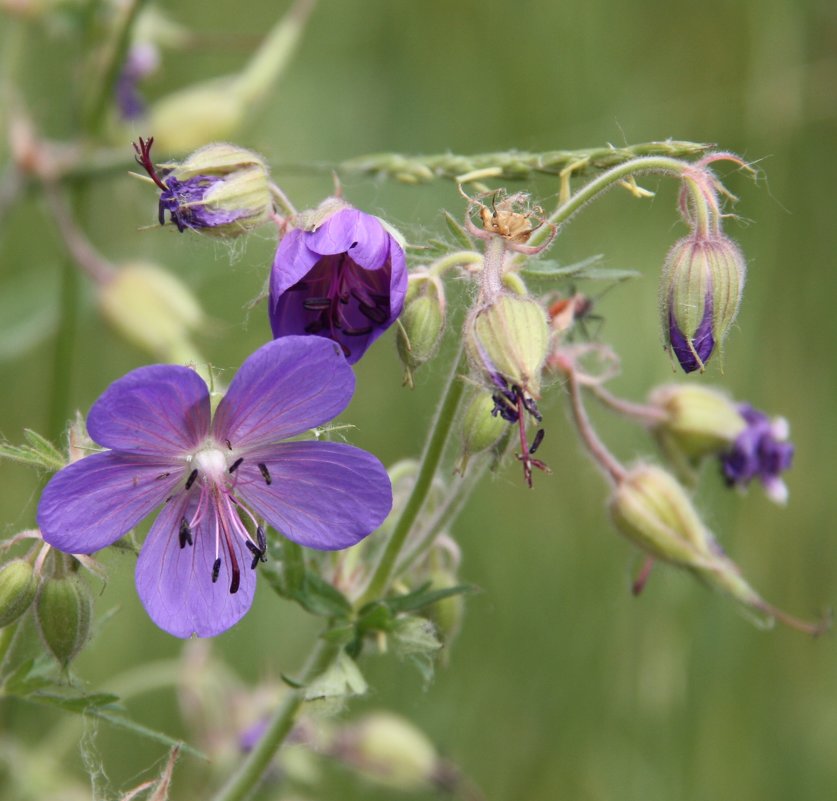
(34, 457)
(43, 446)
(415, 635)
(423, 597)
(459, 233)
(341, 679)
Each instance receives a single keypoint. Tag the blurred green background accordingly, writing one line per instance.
(561, 686)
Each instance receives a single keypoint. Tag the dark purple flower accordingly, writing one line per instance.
(346, 280)
(142, 59)
(216, 478)
(703, 342)
(760, 451)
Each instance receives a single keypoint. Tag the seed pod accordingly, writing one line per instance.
(422, 325)
(63, 612)
(17, 590)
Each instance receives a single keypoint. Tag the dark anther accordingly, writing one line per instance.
(185, 533)
(358, 332)
(536, 442)
(236, 464)
(236, 579)
(258, 554)
(228, 444)
(314, 327)
(252, 547)
(262, 541)
(316, 304)
(375, 313)
(353, 245)
(162, 476)
(530, 405)
(216, 569)
(191, 480)
(501, 407)
(265, 474)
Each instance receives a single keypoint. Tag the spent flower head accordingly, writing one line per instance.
(216, 478)
(342, 275)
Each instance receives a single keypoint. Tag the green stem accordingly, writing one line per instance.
(430, 459)
(255, 764)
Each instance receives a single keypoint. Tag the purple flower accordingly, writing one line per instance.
(142, 59)
(703, 342)
(216, 478)
(760, 451)
(346, 280)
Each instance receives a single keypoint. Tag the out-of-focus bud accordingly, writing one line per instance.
(509, 338)
(17, 590)
(700, 291)
(63, 611)
(446, 614)
(481, 426)
(152, 309)
(422, 324)
(388, 749)
(221, 189)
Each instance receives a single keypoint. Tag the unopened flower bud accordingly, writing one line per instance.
(481, 427)
(447, 613)
(63, 611)
(151, 308)
(17, 590)
(509, 338)
(221, 189)
(700, 291)
(390, 750)
(422, 325)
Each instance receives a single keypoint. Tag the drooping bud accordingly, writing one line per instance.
(422, 324)
(221, 189)
(653, 511)
(509, 338)
(700, 292)
(446, 614)
(17, 590)
(481, 427)
(153, 309)
(63, 611)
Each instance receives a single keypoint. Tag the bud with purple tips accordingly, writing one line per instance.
(221, 190)
(344, 277)
(700, 292)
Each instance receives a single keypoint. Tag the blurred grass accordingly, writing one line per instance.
(561, 685)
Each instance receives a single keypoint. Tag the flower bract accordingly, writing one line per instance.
(345, 280)
(217, 479)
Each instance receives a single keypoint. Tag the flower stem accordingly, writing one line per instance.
(642, 413)
(280, 725)
(430, 459)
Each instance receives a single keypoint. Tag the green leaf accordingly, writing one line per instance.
(38, 452)
(424, 597)
(548, 268)
(310, 591)
(459, 233)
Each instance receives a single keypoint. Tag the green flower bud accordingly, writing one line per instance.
(422, 323)
(152, 309)
(700, 292)
(63, 611)
(390, 750)
(446, 614)
(509, 338)
(480, 427)
(17, 590)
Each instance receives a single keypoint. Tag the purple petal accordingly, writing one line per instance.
(93, 502)
(286, 387)
(324, 495)
(161, 410)
(292, 262)
(355, 233)
(703, 341)
(175, 584)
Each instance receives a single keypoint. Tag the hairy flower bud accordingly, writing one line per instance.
(700, 291)
(221, 189)
(63, 611)
(509, 338)
(17, 590)
(151, 308)
(481, 426)
(422, 325)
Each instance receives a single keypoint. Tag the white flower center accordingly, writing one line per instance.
(211, 463)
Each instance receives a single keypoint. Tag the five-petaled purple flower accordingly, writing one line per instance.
(760, 451)
(217, 478)
(345, 280)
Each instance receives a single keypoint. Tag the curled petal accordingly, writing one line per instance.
(324, 495)
(161, 410)
(93, 502)
(285, 387)
(175, 584)
(350, 231)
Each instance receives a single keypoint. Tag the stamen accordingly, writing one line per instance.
(357, 332)
(236, 464)
(265, 474)
(262, 541)
(314, 327)
(185, 534)
(162, 476)
(216, 569)
(236, 579)
(191, 480)
(316, 304)
(536, 442)
(228, 444)
(374, 313)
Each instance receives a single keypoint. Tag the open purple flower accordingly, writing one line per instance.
(345, 280)
(760, 451)
(216, 478)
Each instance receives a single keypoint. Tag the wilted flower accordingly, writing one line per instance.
(700, 292)
(760, 451)
(221, 189)
(213, 477)
(346, 280)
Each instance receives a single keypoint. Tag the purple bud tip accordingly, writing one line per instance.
(702, 344)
